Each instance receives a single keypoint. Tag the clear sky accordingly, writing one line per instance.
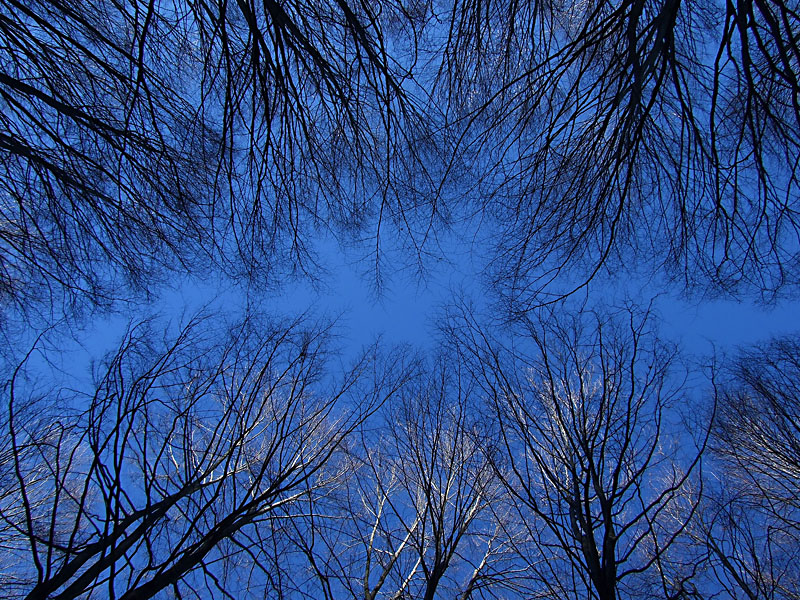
(406, 310)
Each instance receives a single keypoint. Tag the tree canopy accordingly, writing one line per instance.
(146, 136)
(559, 447)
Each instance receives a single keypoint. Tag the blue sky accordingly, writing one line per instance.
(406, 310)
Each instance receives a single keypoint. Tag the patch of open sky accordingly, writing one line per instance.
(401, 313)
(405, 311)
(725, 324)
(701, 326)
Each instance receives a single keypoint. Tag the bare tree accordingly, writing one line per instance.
(422, 514)
(585, 409)
(143, 136)
(594, 128)
(758, 429)
(751, 523)
(741, 548)
(170, 474)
